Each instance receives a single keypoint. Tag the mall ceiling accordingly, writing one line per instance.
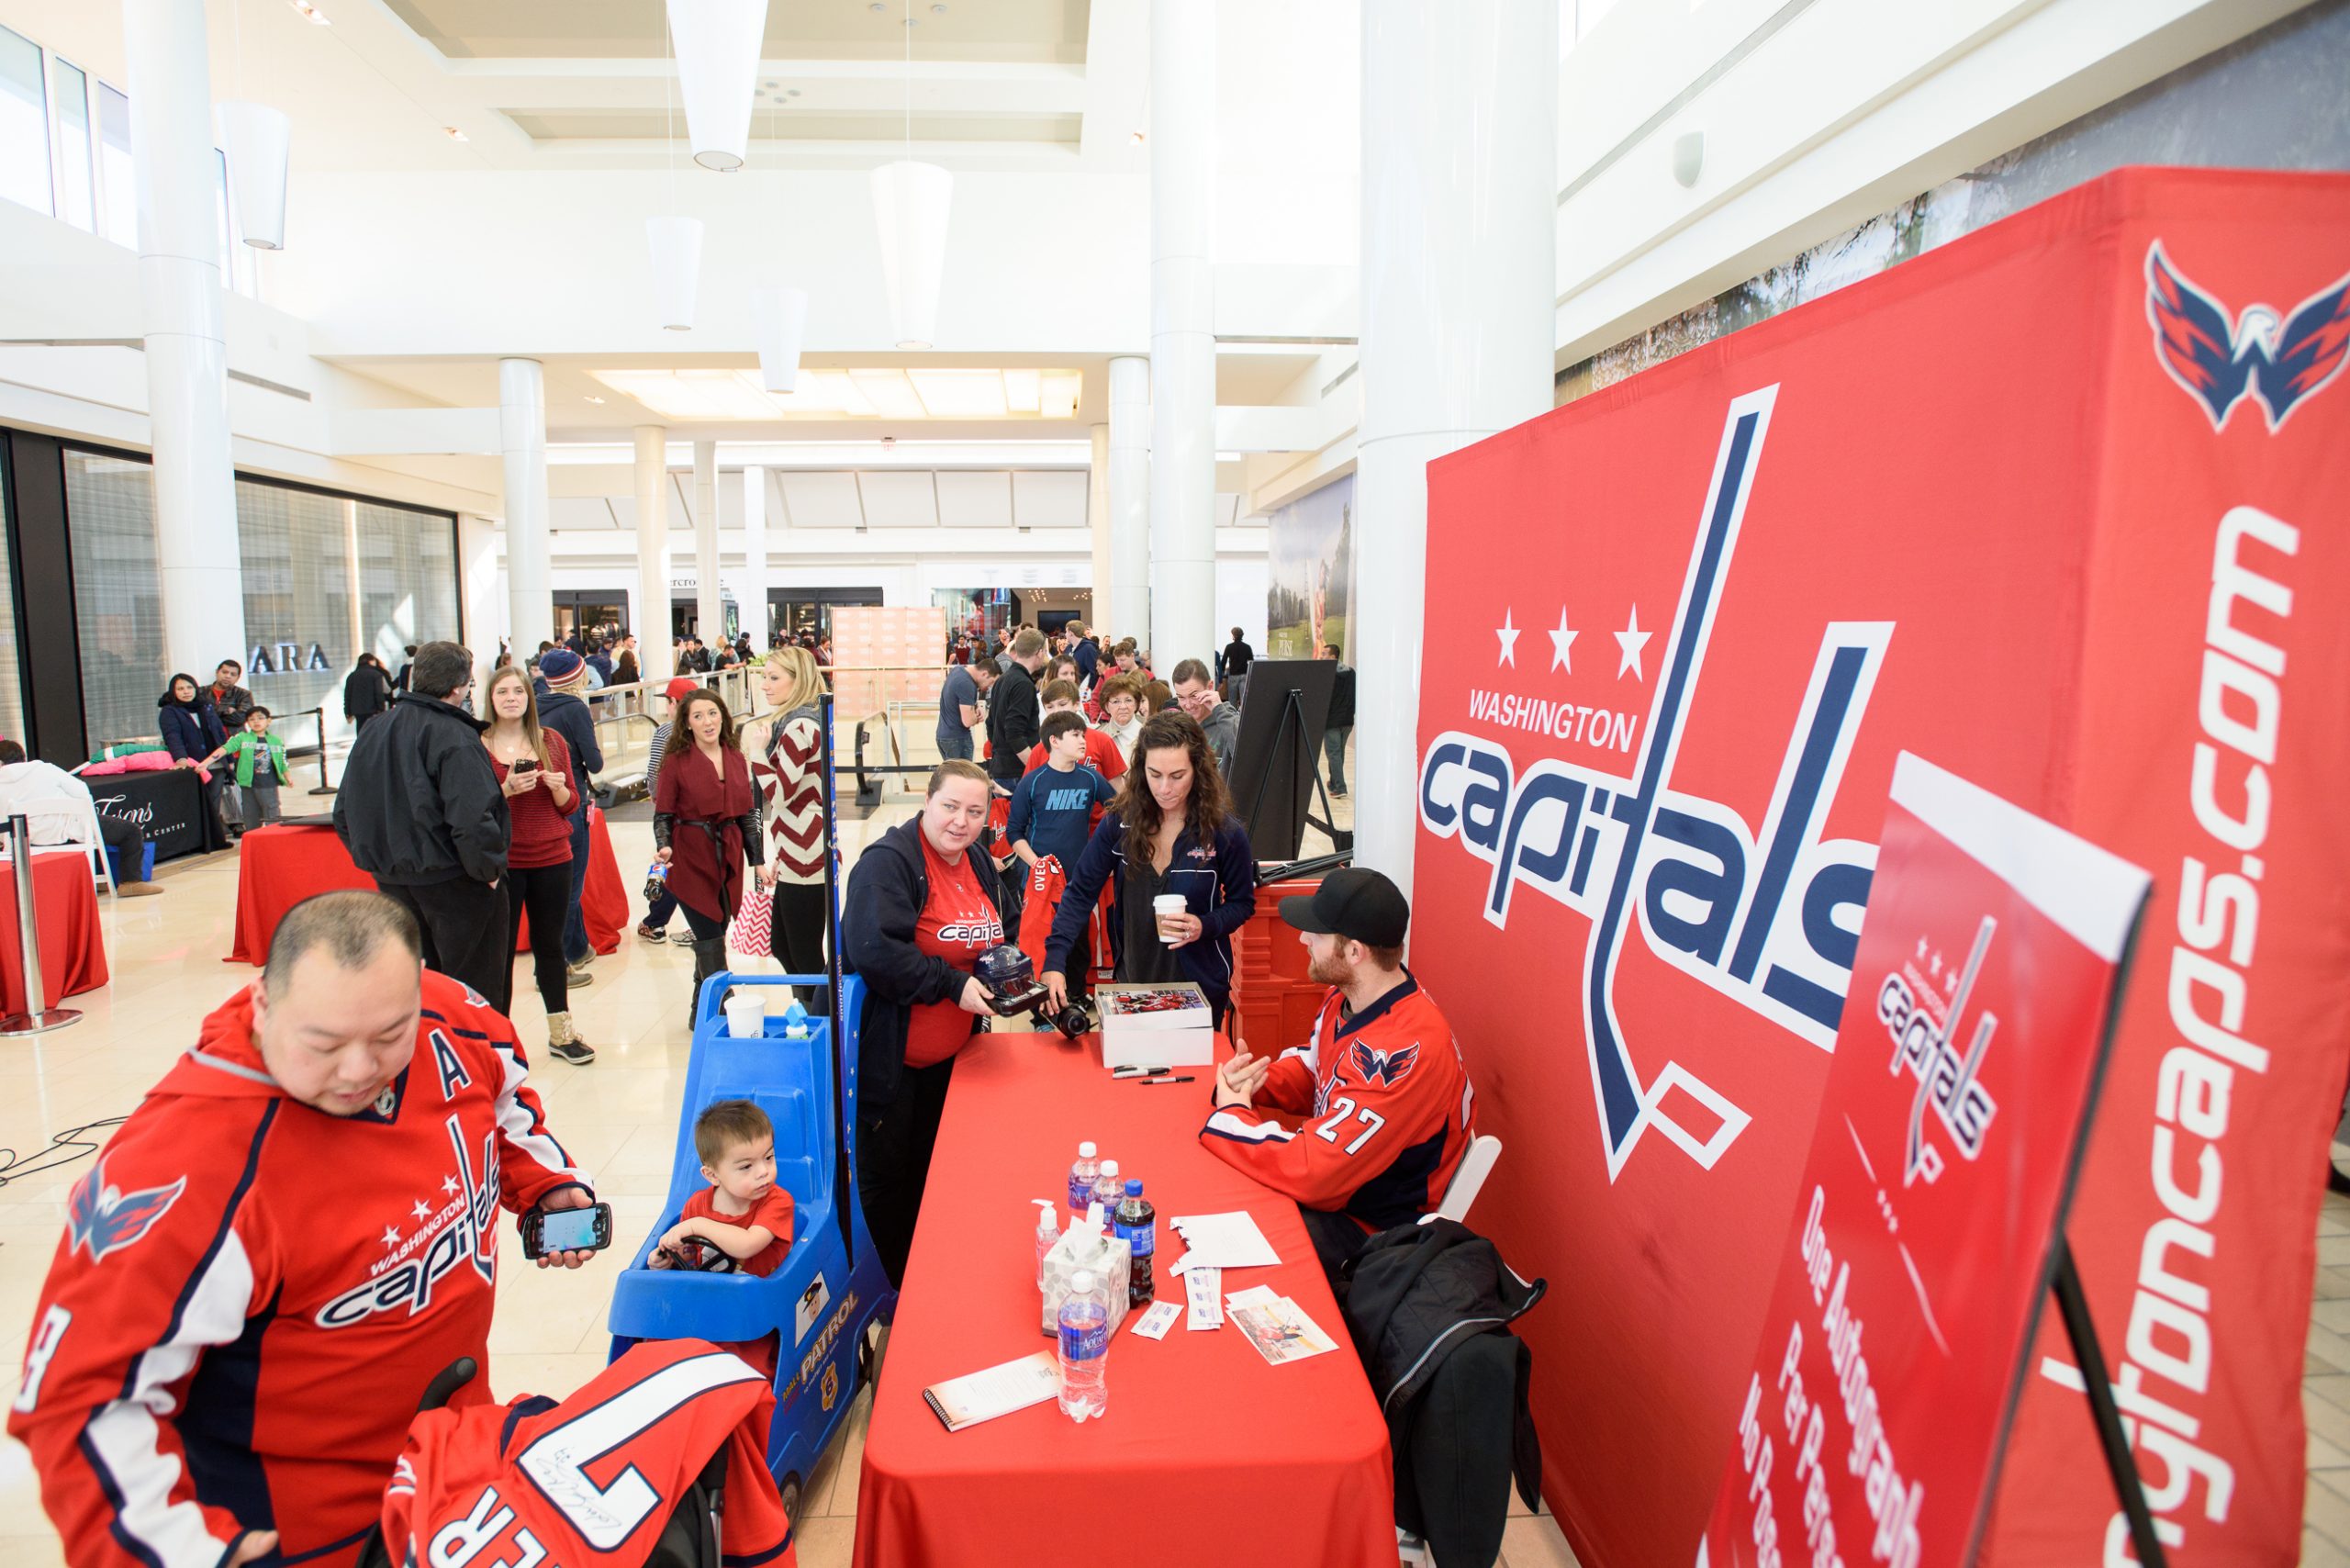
(1041, 32)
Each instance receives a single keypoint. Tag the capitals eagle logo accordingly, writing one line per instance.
(1384, 1067)
(2277, 360)
(102, 1218)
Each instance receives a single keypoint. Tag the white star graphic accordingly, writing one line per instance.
(1936, 963)
(1631, 640)
(449, 1185)
(1921, 949)
(1562, 641)
(422, 1210)
(391, 1235)
(1508, 634)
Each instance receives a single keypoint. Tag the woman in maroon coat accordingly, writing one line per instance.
(705, 820)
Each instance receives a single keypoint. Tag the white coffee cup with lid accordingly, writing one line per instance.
(1164, 905)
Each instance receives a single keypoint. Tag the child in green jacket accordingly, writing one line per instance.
(260, 759)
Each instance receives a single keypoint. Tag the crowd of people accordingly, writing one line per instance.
(1075, 791)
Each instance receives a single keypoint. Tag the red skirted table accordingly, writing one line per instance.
(279, 867)
(72, 943)
(1206, 1451)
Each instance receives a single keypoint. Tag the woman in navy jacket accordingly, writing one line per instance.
(1171, 830)
(192, 733)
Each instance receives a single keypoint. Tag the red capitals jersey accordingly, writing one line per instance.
(252, 1294)
(589, 1483)
(1046, 881)
(1386, 1106)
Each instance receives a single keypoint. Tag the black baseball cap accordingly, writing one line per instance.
(1352, 902)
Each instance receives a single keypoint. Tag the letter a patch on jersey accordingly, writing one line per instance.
(103, 1219)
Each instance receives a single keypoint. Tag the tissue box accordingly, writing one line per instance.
(1157, 1026)
(1114, 1261)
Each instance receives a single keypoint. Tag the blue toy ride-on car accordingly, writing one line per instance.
(823, 1304)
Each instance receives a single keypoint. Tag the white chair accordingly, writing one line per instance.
(77, 821)
(1475, 1166)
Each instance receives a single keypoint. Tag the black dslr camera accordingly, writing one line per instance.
(1010, 977)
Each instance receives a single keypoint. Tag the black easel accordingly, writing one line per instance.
(1289, 731)
(2090, 1356)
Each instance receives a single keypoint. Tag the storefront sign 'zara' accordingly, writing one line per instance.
(290, 659)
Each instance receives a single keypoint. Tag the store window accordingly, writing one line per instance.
(121, 194)
(297, 552)
(325, 577)
(24, 124)
(77, 191)
(118, 593)
(12, 707)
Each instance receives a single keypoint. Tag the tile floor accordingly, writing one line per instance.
(618, 1116)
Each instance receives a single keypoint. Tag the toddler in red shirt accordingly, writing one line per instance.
(742, 1213)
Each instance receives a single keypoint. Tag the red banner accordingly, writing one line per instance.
(2058, 505)
(1934, 1193)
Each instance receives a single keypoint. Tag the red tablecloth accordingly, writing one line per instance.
(72, 943)
(1206, 1452)
(279, 867)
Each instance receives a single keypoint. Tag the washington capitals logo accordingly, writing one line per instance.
(103, 1219)
(2277, 360)
(1390, 1068)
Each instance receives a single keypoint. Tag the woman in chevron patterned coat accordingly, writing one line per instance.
(787, 755)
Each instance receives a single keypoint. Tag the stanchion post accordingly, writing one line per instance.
(39, 1017)
(320, 714)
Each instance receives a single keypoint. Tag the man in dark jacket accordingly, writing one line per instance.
(1197, 695)
(1088, 655)
(562, 709)
(1341, 723)
(421, 812)
(1232, 664)
(1014, 717)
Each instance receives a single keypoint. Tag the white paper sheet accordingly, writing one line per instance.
(1223, 1241)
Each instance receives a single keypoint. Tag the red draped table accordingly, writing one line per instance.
(279, 867)
(1206, 1453)
(72, 943)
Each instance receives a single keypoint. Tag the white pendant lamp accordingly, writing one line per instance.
(717, 44)
(911, 200)
(675, 243)
(909, 205)
(256, 139)
(779, 321)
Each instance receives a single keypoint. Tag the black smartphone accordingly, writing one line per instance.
(525, 765)
(566, 1230)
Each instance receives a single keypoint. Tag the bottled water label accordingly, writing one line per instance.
(1085, 1341)
(1080, 1192)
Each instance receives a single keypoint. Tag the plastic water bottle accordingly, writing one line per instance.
(1082, 1176)
(795, 1021)
(1085, 1348)
(1047, 1233)
(1109, 1187)
(1136, 1225)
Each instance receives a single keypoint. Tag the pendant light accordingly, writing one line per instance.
(779, 322)
(717, 44)
(910, 201)
(257, 139)
(675, 243)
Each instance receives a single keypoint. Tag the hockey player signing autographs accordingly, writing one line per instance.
(269, 1261)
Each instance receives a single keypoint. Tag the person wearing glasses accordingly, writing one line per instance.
(421, 812)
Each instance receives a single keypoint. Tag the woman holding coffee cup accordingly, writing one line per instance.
(1185, 875)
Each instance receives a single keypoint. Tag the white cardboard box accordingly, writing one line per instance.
(1157, 1026)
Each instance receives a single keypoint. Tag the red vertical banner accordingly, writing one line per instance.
(1933, 1196)
(2058, 506)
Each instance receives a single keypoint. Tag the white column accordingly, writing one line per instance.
(1129, 606)
(1097, 522)
(485, 606)
(654, 658)
(753, 591)
(710, 606)
(522, 440)
(1460, 209)
(200, 572)
(1182, 334)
